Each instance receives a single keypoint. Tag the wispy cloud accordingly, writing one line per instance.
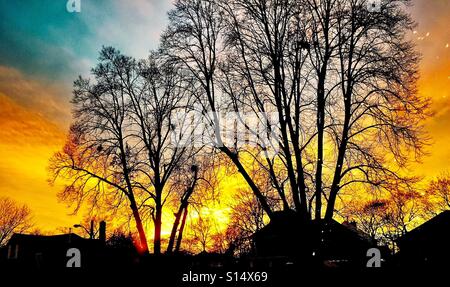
(49, 100)
(132, 26)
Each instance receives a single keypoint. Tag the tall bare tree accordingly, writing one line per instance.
(122, 148)
(339, 79)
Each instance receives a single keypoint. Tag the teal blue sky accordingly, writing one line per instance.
(41, 38)
(41, 41)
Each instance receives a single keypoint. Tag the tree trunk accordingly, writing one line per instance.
(321, 110)
(338, 169)
(320, 132)
(347, 92)
(180, 233)
(174, 229)
(183, 206)
(133, 206)
(157, 222)
(262, 200)
(139, 226)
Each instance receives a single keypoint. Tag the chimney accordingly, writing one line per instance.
(102, 231)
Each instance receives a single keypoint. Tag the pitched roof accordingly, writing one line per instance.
(53, 240)
(288, 222)
(435, 227)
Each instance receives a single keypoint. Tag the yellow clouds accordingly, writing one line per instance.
(27, 140)
(435, 85)
(20, 126)
(47, 99)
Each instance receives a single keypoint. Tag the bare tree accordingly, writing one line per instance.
(203, 178)
(246, 218)
(403, 212)
(386, 219)
(369, 216)
(122, 149)
(168, 97)
(437, 195)
(14, 218)
(336, 76)
(182, 212)
(193, 39)
(202, 230)
(98, 157)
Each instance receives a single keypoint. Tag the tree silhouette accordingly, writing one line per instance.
(202, 178)
(122, 149)
(14, 218)
(246, 218)
(386, 219)
(340, 80)
(202, 230)
(369, 216)
(438, 195)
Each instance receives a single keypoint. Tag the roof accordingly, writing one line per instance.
(284, 222)
(346, 228)
(437, 227)
(289, 235)
(61, 239)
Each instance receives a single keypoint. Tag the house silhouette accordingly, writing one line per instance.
(427, 245)
(317, 242)
(51, 251)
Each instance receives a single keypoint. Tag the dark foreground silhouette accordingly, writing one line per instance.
(280, 255)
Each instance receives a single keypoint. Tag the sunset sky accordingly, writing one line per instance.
(43, 48)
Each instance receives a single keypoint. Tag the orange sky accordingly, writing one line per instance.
(432, 36)
(34, 116)
(27, 141)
